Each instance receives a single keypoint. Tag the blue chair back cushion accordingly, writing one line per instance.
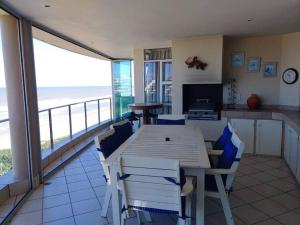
(109, 145)
(225, 137)
(228, 156)
(170, 122)
(123, 131)
(225, 162)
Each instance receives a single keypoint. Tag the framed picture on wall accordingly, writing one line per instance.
(237, 59)
(253, 65)
(270, 69)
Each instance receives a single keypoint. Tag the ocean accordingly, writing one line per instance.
(49, 97)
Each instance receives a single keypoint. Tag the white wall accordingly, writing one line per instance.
(209, 49)
(290, 58)
(268, 48)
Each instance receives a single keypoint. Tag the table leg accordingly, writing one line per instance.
(200, 174)
(146, 118)
(115, 197)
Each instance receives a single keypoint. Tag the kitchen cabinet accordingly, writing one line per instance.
(245, 130)
(291, 148)
(268, 137)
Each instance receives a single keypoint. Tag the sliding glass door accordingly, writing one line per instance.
(122, 86)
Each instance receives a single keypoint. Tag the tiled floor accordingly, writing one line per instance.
(265, 193)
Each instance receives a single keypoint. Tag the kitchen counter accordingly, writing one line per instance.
(290, 117)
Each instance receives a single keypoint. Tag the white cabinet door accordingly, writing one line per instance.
(268, 137)
(245, 130)
(286, 149)
(211, 129)
(291, 148)
(298, 161)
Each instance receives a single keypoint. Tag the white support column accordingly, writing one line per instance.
(15, 96)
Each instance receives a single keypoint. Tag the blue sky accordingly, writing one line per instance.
(56, 67)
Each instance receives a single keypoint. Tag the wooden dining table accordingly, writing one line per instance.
(145, 107)
(186, 144)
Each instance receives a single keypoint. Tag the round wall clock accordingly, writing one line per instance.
(290, 76)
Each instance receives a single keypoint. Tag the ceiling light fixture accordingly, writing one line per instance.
(47, 6)
(250, 20)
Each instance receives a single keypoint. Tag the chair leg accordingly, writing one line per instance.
(123, 219)
(138, 216)
(180, 221)
(188, 210)
(106, 201)
(224, 200)
(147, 216)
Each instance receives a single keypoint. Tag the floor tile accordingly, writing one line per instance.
(91, 218)
(290, 218)
(66, 221)
(55, 189)
(287, 201)
(249, 214)
(247, 195)
(264, 177)
(76, 178)
(56, 213)
(33, 218)
(269, 207)
(269, 222)
(82, 195)
(265, 190)
(283, 185)
(85, 206)
(76, 186)
(74, 171)
(31, 206)
(56, 200)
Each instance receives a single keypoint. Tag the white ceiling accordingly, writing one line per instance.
(115, 27)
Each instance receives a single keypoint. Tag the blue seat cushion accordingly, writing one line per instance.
(223, 139)
(123, 131)
(170, 122)
(109, 144)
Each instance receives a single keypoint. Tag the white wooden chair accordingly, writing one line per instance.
(153, 185)
(105, 167)
(106, 171)
(222, 190)
(122, 122)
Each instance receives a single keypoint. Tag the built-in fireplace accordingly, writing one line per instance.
(202, 101)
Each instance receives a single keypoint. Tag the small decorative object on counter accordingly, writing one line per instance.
(231, 93)
(195, 62)
(253, 102)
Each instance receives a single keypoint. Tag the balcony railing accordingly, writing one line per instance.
(93, 112)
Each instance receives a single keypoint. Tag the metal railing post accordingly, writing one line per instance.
(50, 129)
(85, 115)
(99, 119)
(70, 120)
(110, 106)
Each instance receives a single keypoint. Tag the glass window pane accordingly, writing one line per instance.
(166, 71)
(151, 81)
(167, 93)
(122, 86)
(65, 77)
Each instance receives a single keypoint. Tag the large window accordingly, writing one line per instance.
(74, 89)
(122, 86)
(158, 77)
